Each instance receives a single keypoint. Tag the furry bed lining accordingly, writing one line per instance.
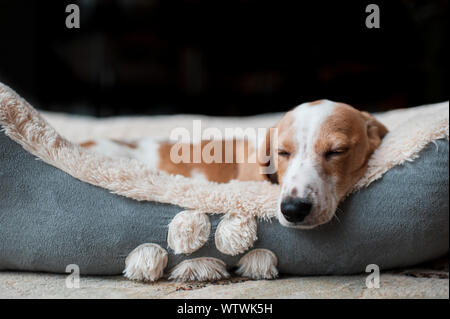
(410, 131)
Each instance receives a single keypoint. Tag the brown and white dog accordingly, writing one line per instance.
(322, 150)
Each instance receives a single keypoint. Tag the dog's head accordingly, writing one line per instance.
(321, 150)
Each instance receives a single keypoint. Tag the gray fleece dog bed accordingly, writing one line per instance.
(48, 220)
(65, 208)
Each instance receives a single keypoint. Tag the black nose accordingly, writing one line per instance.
(295, 209)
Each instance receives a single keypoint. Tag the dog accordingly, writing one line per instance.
(320, 150)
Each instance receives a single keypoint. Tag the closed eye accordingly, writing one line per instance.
(284, 153)
(335, 153)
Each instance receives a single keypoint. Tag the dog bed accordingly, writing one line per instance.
(70, 212)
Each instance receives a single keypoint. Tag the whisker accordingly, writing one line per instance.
(337, 218)
(339, 210)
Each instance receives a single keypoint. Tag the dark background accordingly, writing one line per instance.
(223, 57)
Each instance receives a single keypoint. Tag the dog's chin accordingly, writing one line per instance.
(297, 226)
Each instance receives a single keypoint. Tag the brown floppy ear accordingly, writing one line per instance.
(266, 159)
(375, 130)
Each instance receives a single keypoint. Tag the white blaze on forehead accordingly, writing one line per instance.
(303, 171)
(308, 120)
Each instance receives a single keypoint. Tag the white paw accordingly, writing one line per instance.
(258, 264)
(146, 263)
(188, 231)
(236, 234)
(200, 269)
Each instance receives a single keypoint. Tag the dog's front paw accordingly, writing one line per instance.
(258, 264)
(146, 263)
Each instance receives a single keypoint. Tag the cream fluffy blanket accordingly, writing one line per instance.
(53, 138)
